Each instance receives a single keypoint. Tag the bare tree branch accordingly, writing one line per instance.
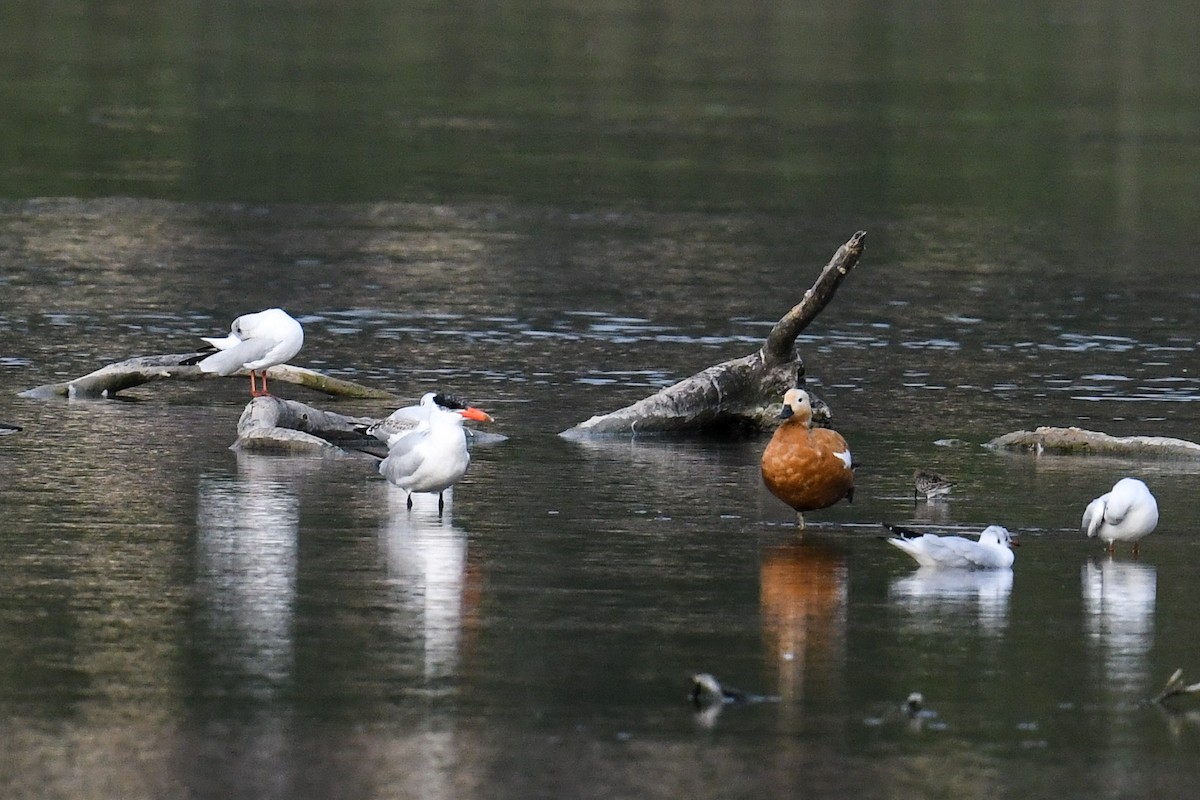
(740, 393)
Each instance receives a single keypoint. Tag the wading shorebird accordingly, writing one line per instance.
(1126, 513)
(808, 468)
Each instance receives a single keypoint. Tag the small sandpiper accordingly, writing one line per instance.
(930, 484)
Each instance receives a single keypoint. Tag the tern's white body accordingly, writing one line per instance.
(432, 457)
(1125, 514)
(992, 551)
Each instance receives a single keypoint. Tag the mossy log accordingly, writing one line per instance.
(107, 381)
(742, 393)
(1078, 441)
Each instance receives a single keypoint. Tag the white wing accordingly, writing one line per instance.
(1093, 515)
(230, 360)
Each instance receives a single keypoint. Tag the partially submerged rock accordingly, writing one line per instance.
(1078, 441)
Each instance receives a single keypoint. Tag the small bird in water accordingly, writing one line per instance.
(707, 690)
(1126, 513)
(913, 705)
(6, 429)
(992, 551)
(929, 484)
(808, 468)
(255, 342)
(433, 456)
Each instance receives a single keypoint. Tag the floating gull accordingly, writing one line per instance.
(992, 551)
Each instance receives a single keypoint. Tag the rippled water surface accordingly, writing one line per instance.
(556, 213)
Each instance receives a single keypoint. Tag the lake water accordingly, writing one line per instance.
(555, 209)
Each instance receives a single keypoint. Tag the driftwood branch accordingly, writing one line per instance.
(274, 425)
(741, 393)
(1175, 686)
(107, 381)
(1077, 441)
(781, 340)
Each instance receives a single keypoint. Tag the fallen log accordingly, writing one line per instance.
(743, 393)
(107, 381)
(1176, 686)
(289, 427)
(1078, 441)
(274, 425)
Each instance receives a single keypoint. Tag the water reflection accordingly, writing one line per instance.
(803, 600)
(1118, 602)
(246, 558)
(436, 592)
(933, 596)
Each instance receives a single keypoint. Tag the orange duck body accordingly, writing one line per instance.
(807, 468)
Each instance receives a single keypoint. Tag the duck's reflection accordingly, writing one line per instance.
(931, 596)
(803, 599)
(434, 588)
(1118, 603)
(246, 554)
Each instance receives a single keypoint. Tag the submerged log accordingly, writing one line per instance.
(1176, 686)
(741, 393)
(1078, 441)
(275, 425)
(289, 427)
(107, 381)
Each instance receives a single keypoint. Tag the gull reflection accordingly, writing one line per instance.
(803, 601)
(246, 570)
(931, 595)
(428, 572)
(1118, 603)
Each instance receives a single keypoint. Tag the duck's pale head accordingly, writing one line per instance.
(798, 405)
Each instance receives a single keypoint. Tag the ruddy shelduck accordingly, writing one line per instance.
(808, 468)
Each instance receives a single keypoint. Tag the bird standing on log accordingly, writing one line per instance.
(255, 342)
(807, 468)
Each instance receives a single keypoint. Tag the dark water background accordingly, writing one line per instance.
(556, 208)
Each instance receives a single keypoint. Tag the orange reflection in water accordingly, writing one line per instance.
(803, 601)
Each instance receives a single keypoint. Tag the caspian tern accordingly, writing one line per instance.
(992, 551)
(433, 456)
(255, 342)
(408, 418)
(1125, 514)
